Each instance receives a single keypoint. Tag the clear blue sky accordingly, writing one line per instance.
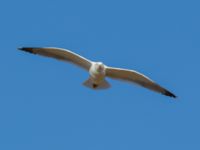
(43, 105)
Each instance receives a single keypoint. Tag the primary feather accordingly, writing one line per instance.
(138, 78)
(61, 54)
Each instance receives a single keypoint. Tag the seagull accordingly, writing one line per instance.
(98, 71)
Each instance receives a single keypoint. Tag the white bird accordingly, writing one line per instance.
(98, 71)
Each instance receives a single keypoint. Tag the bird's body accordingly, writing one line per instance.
(98, 71)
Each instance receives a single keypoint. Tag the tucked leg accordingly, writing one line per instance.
(94, 86)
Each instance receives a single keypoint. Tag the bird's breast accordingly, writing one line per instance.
(96, 76)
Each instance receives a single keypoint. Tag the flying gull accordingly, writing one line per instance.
(98, 71)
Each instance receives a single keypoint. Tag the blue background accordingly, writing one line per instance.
(43, 104)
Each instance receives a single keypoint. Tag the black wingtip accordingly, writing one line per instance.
(167, 93)
(27, 49)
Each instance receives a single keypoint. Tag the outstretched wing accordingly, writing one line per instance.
(61, 54)
(138, 78)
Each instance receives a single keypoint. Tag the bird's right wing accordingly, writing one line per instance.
(138, 78)
(61, 54)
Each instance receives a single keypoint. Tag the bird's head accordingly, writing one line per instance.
(100, 67)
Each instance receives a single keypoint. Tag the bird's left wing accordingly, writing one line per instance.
(138, 78)
(61, 54)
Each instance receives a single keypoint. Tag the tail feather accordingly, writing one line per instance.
(103, 85)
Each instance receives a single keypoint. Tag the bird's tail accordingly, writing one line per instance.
(103, 85)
